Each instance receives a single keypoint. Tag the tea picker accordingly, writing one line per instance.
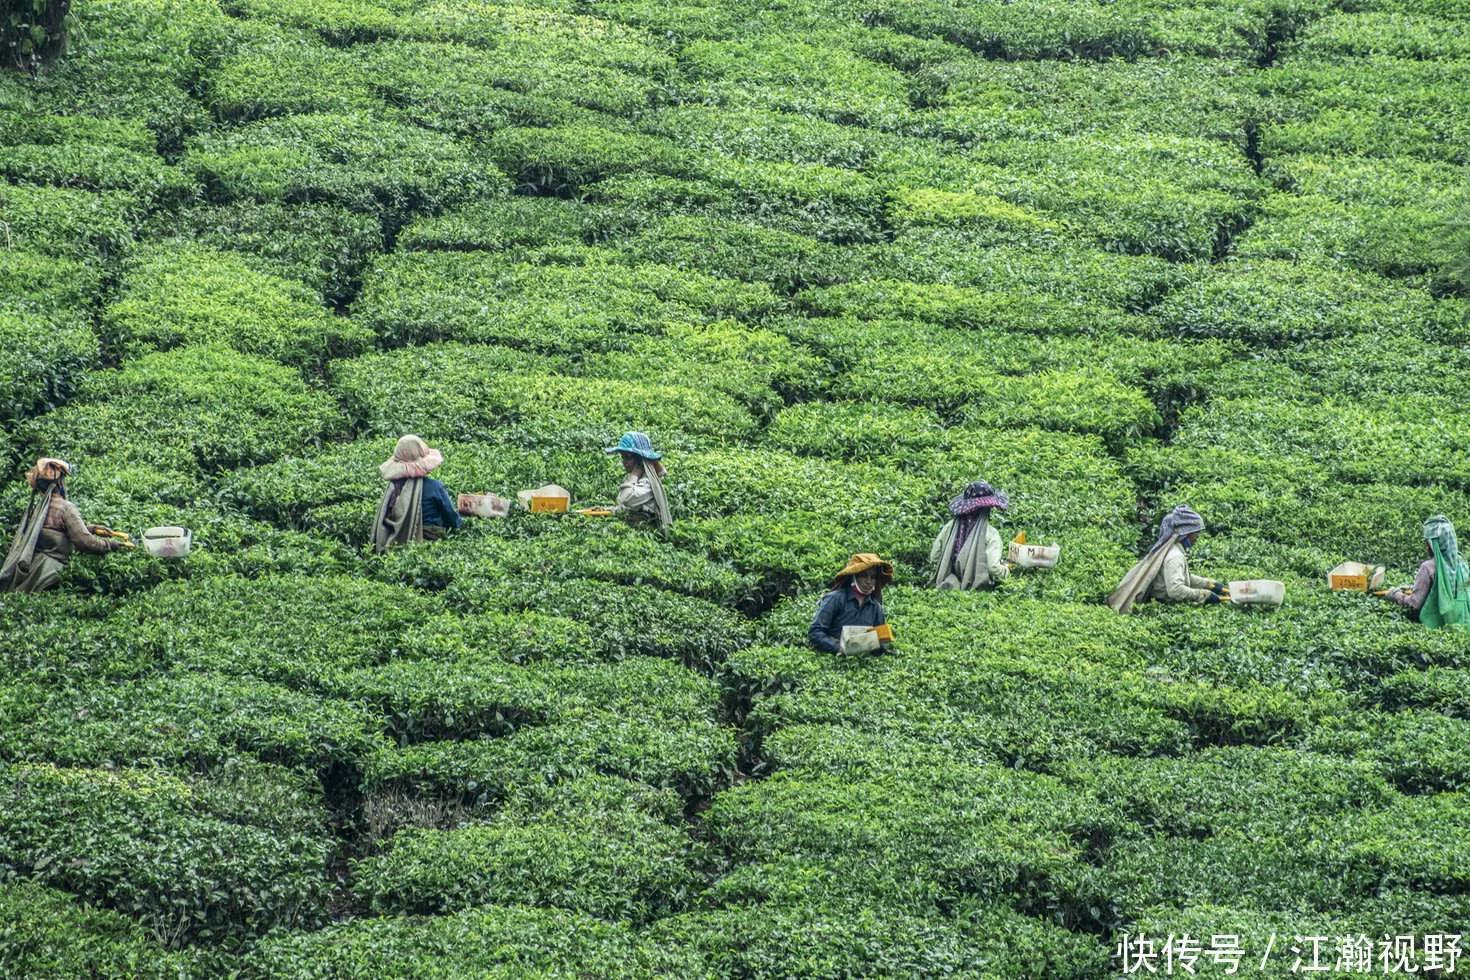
(966, 552)
(414, 506)
(641, 498)
(1163, 573)
(50, 531)
(1439, 595)
(850, 618)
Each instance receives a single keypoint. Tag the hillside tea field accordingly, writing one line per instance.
(838, 258)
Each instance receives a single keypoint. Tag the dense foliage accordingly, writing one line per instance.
(839, 259)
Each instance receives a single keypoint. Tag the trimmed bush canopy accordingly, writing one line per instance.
(837, 260)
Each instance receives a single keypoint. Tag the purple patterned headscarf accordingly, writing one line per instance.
(975, 496)
(971, 507)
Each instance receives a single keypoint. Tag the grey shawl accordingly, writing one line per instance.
(1137, 581)
(400, 514)
(968, 569)
(28, 567)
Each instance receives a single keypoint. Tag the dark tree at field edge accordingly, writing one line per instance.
(33, 32)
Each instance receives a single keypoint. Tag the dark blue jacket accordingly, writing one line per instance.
(438, 508)
(838, 609)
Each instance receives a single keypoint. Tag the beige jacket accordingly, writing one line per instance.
(1175, 582)
(977, 565)
(63, 516)
(641, 499)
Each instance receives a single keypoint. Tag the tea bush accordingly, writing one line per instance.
(1085, 31)
(493, 939)
(389, 396)
(46, 932)
(827, 203)
(68, 223)
(509, 223)
(567, 548)
(591, 847)
(321, 245)
(739, 251)
(772, 136)
(467, 91)
(206, 720)
(1207, 793)
(967, 308)
(1437, 688)
(1378, 34)
(44, 129)
(187, 408)
(565, 159)
(1289, 869)
(1269, 302)
(807, 75)
(1412, 443)
(918, 835)
(96, 167)
(1416, 842)
(576, 67)
(828, 939)
(1070, 271)
(972, 100)
(140, 62)
(626, 620)
(1419, 751)
(191, 295)
(1078, 401)
(358, 161)
(1382, 182)
(133, 841)
(643, 719)
(415, 297)
(275, 73)
(1380, 106)
(1389, 242)
(38, 366)
(761, 368)
(866, 431)
(311, 626)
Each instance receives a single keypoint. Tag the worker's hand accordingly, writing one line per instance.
(1217, 587)
(1213, 599)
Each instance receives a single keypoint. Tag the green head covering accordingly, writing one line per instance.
(1447, 604)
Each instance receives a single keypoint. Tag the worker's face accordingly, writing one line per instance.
(867, 581)
(631, 463)
(1188, 540)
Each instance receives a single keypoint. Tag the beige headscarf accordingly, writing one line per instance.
(412, 458)
(47, 468)
(654, 472)
(400, 517)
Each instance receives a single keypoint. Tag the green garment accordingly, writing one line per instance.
(1448, 603)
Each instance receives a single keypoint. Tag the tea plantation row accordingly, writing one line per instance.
(838, 259)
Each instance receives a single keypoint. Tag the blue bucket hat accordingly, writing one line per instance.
(636, 443)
